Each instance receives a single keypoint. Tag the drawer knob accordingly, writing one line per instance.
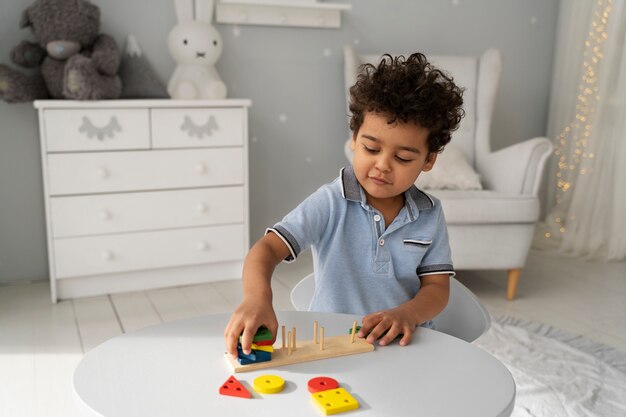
(107, 255)
(202, 246)
(103, 173)
(105, 214)
(201, 168)
(202, 208)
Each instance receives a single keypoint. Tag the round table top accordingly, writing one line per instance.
(176, 369)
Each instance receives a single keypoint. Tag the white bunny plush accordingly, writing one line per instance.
(196, 46)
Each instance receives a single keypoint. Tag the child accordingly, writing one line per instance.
(380, 245)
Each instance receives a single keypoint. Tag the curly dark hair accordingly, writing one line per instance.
(411, 90)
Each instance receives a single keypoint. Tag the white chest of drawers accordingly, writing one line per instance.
(143, 194)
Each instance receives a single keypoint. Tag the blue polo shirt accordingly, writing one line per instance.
(360, 265)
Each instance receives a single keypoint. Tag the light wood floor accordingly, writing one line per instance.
(41, 343)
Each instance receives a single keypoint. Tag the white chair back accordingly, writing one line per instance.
(464, 316)
(302, 293)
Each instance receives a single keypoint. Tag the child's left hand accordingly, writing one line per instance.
(394, 322)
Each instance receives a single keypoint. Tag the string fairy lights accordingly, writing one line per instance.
(571, 148)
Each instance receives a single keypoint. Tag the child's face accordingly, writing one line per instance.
(389, 157)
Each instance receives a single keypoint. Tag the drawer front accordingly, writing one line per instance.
(194, 128)
(115, 213)
(143, 170)
(96, 129)
(148, 250)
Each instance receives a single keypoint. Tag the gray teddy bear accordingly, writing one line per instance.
(74, 60)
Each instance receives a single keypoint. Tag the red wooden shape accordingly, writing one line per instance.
(322, 383)
(234, 388)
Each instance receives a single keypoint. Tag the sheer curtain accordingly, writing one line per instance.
(587, 184)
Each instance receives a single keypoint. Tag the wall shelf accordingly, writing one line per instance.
(297, 13)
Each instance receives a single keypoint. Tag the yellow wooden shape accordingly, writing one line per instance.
(269, 348)
(269, 384)
(334, 401)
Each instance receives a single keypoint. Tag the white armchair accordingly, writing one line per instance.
(490, 228)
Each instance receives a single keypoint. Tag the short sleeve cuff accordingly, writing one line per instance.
(435, 270)
(290, 241)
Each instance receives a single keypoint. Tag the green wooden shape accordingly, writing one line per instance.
(262, 335)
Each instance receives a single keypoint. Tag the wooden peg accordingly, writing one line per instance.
(315, 331)
(289, 336)
(293, 334)
(284, 342)
(353, 332)
(322, 339)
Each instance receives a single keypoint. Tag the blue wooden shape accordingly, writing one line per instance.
(245, 361)
(254, 356)
(251, 356)
(262, 356)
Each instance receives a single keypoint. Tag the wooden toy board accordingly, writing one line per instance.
(308, 351)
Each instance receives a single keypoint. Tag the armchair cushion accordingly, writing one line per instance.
(450, 172)
(487, 207)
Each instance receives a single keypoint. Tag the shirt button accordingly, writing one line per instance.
(382, 242)
(376, 218)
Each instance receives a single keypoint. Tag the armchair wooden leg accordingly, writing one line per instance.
(513, 278)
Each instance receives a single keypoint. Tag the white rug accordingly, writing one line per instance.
(558, 374)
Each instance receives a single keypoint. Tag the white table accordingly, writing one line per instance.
(176, 369)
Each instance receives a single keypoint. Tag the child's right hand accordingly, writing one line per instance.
(247, 318)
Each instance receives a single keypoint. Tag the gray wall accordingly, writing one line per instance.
(294, 78)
